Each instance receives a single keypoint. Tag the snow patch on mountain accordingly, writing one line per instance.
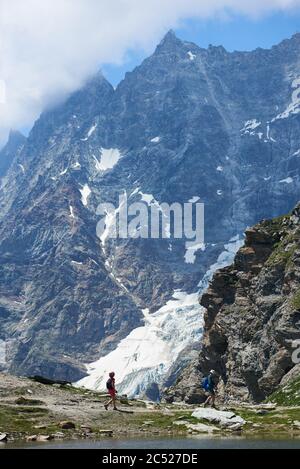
(90, 132)
(294, 106)
(194, 199)
(109, 158)
(149, 351)
(250, 125)
(85, 193)
(155, 140)
(190, 253)
(22, 168)
(71, 212)
(191, 55)
(287, 180)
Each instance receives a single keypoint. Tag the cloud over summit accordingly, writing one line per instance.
(48, 48)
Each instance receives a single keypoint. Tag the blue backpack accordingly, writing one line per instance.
(205, 383)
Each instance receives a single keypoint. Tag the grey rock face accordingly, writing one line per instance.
(187, 122)
(252, 321)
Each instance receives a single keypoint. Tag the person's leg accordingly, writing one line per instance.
(213, 398)
(207, 401)
(107, 404)
(114, 402)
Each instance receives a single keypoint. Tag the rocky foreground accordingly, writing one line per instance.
(31, 411)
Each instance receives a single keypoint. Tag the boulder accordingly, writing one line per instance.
(67, 425)
(44, 437)
(3, 437)
(224, 418)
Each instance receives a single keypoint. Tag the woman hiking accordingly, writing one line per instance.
(110, 386)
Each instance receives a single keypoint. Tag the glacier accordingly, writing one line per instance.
(148, 352)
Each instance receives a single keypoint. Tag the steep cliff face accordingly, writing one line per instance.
(187, 124)
(252, 317)
(10, 151)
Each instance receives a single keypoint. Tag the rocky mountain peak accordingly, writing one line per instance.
(169, 42)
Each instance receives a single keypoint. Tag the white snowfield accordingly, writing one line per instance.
(109, 158)
(149, 351)
(85, 193)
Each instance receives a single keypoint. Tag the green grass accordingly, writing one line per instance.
(288, 395)
(14, 419)
(295, 301)
(25, 401)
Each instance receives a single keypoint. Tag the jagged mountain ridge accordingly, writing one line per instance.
(10, 151)
(187, 122)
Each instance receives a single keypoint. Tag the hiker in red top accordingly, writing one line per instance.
(110, 386)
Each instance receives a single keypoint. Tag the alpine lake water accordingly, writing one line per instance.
(165, 443)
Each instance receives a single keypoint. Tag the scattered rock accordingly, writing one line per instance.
(86, 428)
(44, 437)
(67, 425)
(58, 435)
(31, 438)
(262, 412)
(25, 401)
(202, 428)
(106, 432)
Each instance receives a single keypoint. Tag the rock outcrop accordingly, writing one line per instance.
(252, 319)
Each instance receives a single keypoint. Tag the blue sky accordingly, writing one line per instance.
(238, 33)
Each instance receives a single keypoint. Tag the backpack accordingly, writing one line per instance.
(109, 384)
(205, 383)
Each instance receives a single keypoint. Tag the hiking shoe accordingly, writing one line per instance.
(106, 406)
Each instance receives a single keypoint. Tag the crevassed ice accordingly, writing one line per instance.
(148, 352)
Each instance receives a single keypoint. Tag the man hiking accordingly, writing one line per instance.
(209, 385)
(110, 386)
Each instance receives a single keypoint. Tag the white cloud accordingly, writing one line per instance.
(49, 47)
